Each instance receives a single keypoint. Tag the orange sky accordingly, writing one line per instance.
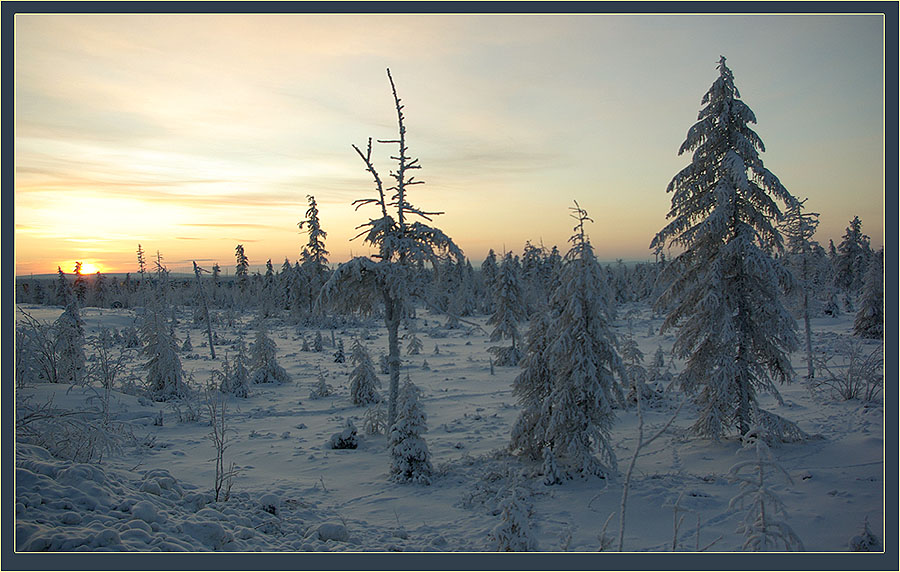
(191, 134)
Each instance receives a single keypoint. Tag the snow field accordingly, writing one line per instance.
(293, 492)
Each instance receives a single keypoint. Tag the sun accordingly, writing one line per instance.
(90, 268)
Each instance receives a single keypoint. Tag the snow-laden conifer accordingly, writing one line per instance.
(70, 345)
(339, 356)
(363, 379)
(410, 458)
(489, 271)
(568, 389)
(514, 533)
(509, 310)
(313, 258)
(724, 287)
(852, 259)
(165, 375)
(414, 346)
(869, 322)
(264, 366)
(764, 526)
(234, 379)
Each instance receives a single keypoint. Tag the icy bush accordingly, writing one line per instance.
(346, 439)
(320, 389)
(763, 525)
(514, 534)
(363, 379)
(866, 541)
(852, 372)
(264, 366)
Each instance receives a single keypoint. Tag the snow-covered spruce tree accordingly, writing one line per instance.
(63, 289)
(514, 534)
(264, 366)
(852, 260)
(489, 272)
(391, 276)
(763, 526)
(363, 379)
(410, 458)
(414, 346)
(509, 310)
(339, 356)
(869, 322)
(70, 345)
(568, 385)
(241, 271)
(724, 287)
(313, 257)
(165, 375)
(234, 379)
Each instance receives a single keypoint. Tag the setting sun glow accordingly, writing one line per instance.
(87, 268)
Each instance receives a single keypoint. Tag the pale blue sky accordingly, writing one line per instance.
(190, 134)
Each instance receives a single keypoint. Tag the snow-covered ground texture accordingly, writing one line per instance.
(147, 483)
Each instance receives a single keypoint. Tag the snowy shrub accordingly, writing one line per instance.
(37, 356)
(414, 347)
(320, 389)
(264, 367)
(763, 525)
(866, 541)
(363, 379)
(80, 436)
(339, 356)
(375, 420)
(317, 342)
(514, 534)
(234, 379)
(775, 429)
(346, 439)
(187, 346)
(851, 372)
(410, 458)
(383, 365)
(130, 337)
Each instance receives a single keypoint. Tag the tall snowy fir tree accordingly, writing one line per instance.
(509, 310)
(869, 322)
(241, 272)
(569, 386)
(391, 276)
(724, 287)
(489, 271)
(313, 256)
(70, 345)
(165, 374)
(851, 262)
